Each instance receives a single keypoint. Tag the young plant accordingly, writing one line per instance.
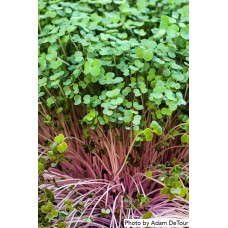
(113, 111)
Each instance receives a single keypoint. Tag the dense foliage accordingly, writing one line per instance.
(113, 105)
(114, 59)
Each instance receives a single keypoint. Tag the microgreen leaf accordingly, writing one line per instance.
(156, 127)
(59, 138)
(147, 215)
(185, 138)
(148, 134)
(77, 99)
(149, 174)
(105, 211)
(62, 147)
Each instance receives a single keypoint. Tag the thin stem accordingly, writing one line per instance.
(127, 155)
(62, 48)
(63, 61)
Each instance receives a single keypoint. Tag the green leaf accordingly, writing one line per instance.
(50, 153)
(148, 55)
(148, 44)
(170, 95)
(77, 99)
(86, 99)
(140, 32)
(138, 63)
(157, 92)
(148, 134)
(89, 220)
(128, 116)
(50, 14)
(42, 160)
(55, 64)
(185, 139)
(55, 213)
(54, 164)
(75, 87)
(175, 191)
(50, 101)
(184, 32)
(166, 72)
(165, 21)
(139, 52)
(105, 211)
(149, 174)
(183, 192)
(117, 80)
(59, 110)
(145, 200)
(59, 138)
(87, 67)
(40, 168)
(113, 93)
(137, 92)
(143, 88)
(136, 120)
(117, 101)
(171, 196)
(49, 194)
(156, 127)
(166, 111)
(52, 215)
(147, 215)
(48, 207)
(97, 63)
(142, 4)
(62, 147)
(172, 105)
(164, 191)
(158, 114)
(78, 56)
(137, 106)
(61, 224)
(160, 33)
(95, 71)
